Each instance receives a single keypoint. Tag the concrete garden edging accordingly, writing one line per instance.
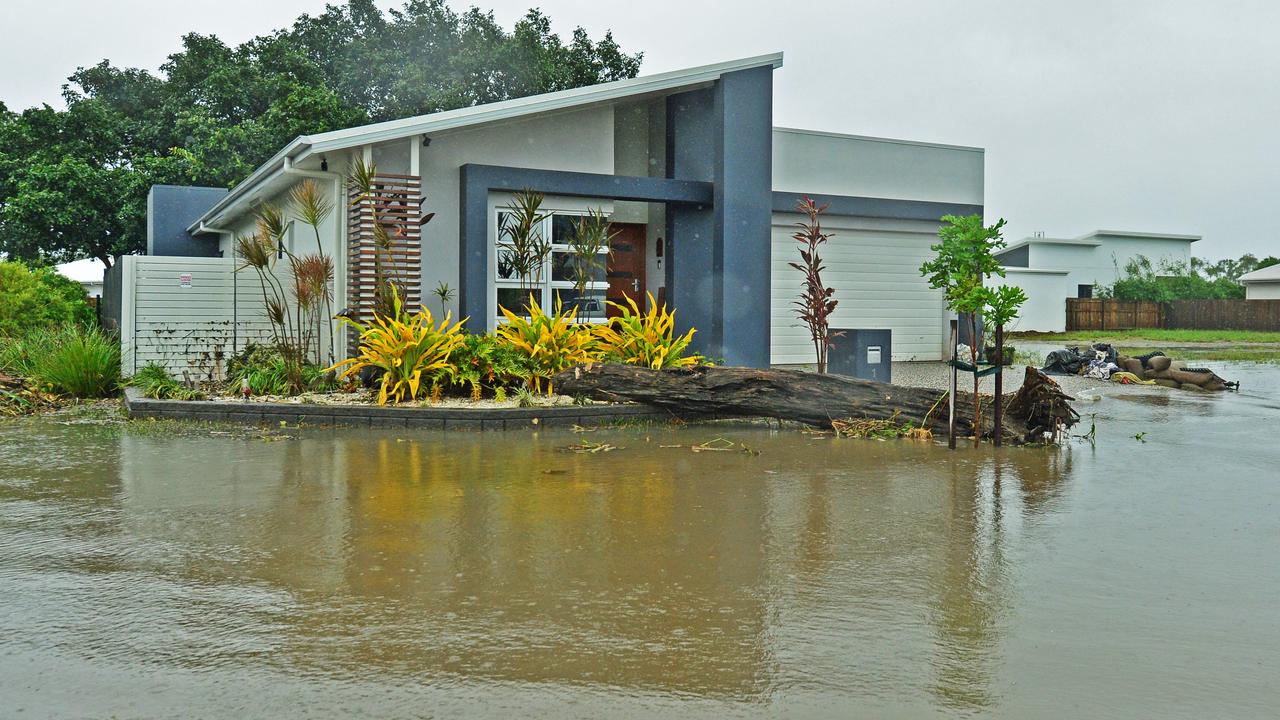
(138, 406)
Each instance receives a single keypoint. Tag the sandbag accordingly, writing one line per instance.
(1133, 365)
(1159, 362)
(1215, 385)
(1166, 382)
(1149, 374)
(1192, 387)
(1193, 378)
(1177, 364)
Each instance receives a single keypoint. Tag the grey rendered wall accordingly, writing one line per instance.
(170, 209)
(581, 140)
(829, 163)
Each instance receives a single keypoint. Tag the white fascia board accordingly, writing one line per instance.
(1266, 274)
(1034, 271)
(1143, 235)
(264, 173)
(872, 138)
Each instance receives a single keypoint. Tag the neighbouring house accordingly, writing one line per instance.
(87, 272)
(695, 178)
(1051, 270)
(1262, 284)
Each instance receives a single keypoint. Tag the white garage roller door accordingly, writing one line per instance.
(874, 266)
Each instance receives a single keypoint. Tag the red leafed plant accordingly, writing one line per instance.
(817, 301)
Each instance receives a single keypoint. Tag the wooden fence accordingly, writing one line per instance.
(1098, 314)
(1094, 314)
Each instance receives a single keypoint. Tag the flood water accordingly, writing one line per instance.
(348, 573)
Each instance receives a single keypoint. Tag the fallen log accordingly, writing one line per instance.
(1039, 406)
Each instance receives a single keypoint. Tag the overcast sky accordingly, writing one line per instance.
(1133, 115)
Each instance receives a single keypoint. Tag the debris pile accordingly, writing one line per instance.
(1103, 362)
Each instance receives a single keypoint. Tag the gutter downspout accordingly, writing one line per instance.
(235, 285)
(340, 263)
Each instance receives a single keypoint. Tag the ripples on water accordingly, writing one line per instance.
(380, 574)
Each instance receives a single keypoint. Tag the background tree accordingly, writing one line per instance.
(73, 182)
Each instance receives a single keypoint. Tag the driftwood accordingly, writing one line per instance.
(1037, 407)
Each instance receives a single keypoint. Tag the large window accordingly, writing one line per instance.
(553, 280)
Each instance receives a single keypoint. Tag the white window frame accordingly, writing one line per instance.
(545, 288)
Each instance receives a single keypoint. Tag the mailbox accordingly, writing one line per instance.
(862, 353)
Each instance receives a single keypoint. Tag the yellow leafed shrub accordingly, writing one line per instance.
(645, 338)
(552, 343)
(410, 349)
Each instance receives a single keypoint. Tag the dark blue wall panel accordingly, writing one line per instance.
(170, 210)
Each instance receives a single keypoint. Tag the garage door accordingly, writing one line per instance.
(874, 266)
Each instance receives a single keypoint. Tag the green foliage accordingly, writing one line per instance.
(963, 260)
(39, 298)
(523, 249)
(1169, 281)
(552, 343)
(486, 360)
(73, 360)
(644, 338)
(73, 182)
(412, 351)
(155, 382)
(589, 249)
(1002, 304)
(268, 373)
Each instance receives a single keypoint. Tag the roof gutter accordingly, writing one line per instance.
(243, 192)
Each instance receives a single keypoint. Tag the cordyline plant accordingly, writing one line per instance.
(963, 259)
(523, 246)
(817, 302)
(589, 249)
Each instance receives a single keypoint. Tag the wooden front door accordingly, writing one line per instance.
(626, 265)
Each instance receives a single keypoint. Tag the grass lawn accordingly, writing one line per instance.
(1229, 345)
(1168, 336)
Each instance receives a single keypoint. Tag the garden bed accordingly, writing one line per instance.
(458, 415)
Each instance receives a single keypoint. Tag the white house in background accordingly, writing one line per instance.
(1051, 270)
(1262, 284)
(687, 164)
(87, 272)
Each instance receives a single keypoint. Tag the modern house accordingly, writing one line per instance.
(1262, 284)
(87, 272)
(696, 180)
(1051, 270)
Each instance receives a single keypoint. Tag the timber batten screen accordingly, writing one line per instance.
(384, 244)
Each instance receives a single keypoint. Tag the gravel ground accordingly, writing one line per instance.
(935, 375)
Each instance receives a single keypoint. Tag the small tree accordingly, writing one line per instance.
(817, 302)
(591, 236)
(963, 259)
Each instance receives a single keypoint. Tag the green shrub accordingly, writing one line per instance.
(70, 360)
(484, 360)
(1167, 281)
(155, 382)
(39, 298)
(268, 373)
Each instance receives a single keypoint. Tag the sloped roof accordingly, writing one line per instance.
(306, 145)
(1266, 274)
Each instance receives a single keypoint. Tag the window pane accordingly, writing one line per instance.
(563, 229)
(566, 267)
(516, 299)
(506, 264)
(590, 304)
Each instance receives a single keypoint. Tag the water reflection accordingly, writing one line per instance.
(653, 578)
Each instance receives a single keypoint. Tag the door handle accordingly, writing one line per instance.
(635, 285)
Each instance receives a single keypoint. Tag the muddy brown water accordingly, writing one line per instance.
(348, 573)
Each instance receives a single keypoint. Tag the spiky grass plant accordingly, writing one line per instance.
(552, 343)
(644, 338)
(83, 362)
(412, 351)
